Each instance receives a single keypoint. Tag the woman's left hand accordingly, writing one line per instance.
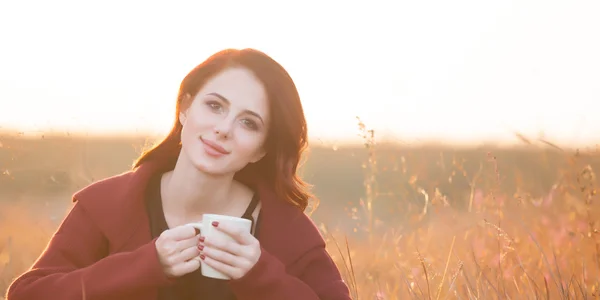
(232, 258)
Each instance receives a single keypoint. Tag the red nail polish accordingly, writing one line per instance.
(200, 247)
(201, 239)
(215, 223)
(202, 257)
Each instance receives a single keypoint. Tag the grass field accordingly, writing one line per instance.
(401, 222)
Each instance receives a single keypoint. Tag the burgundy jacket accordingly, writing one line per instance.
(103, 250)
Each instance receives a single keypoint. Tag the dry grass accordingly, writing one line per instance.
(502, 247)
(490, 242)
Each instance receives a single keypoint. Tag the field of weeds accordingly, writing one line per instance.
(401, 222)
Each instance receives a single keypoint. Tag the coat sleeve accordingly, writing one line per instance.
(74, 265)
(318, 279)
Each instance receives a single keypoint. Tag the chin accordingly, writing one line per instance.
(211, 166)
(208, 167)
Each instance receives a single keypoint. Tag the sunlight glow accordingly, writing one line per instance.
(459, 71)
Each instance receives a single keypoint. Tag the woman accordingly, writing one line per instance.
(234, 149)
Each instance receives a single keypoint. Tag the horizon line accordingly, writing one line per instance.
(520, 141)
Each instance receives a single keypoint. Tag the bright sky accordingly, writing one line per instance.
(418, 70)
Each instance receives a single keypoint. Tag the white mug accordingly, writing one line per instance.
(211, 233)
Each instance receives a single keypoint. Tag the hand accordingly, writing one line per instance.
(176, 249)
(233, 259)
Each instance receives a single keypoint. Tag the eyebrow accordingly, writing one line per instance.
(229, 102)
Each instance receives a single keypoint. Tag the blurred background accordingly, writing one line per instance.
(472, 159)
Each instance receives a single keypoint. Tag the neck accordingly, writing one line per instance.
(189, 193)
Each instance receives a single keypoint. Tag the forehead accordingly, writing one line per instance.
(241, 87)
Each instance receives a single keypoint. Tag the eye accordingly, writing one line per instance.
(214, 106)
(250, 124)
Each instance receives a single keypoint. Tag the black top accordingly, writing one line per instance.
(192, 285)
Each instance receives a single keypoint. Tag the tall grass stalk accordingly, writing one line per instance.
(370, 167)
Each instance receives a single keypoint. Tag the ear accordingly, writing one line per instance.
(185, 105)
(182, 117)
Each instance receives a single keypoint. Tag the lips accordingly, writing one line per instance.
(214, 147)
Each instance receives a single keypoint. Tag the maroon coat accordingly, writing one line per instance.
(103, 250)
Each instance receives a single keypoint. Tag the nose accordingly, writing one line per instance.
(222, 129)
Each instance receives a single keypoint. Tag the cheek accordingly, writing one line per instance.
(187, 135)
(191, 131)
(199, 121)
(250, 143)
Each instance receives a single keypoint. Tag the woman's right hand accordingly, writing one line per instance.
(177, 248)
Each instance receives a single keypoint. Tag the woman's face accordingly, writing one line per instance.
(226, 124)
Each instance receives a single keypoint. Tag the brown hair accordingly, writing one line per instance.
(287, 136)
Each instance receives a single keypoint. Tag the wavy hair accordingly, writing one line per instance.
(287, 136)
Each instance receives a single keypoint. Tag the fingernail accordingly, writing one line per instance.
(215, 223)
(202, 257)
(200, 247)
(201, 239)
(197, 231)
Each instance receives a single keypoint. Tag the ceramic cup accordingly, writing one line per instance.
(210, 232)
